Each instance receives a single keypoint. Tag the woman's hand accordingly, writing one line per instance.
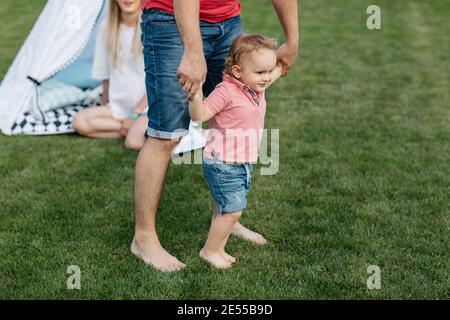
(126, 125)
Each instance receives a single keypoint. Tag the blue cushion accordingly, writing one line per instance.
(78, 74)
(54, 94)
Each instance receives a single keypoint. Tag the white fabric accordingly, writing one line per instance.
(127, 79)
(196, 139)
(57, 38)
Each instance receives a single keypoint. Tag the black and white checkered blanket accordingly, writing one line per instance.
(59, 121)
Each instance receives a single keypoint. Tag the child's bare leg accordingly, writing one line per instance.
(218, 233)
(225, 255)
(242, 232)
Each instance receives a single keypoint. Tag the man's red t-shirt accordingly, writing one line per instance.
(210, 10)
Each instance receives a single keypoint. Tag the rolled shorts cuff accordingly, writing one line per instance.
(230, 208)
(177, 134)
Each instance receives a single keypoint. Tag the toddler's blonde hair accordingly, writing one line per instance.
(244, 45)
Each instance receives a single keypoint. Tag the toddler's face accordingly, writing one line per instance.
(129, 6)
(257, 68)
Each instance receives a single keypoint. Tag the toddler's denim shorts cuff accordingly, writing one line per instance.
(228, 208)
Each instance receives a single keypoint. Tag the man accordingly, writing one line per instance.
(181, 52)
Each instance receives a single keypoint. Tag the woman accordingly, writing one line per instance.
(118, 62)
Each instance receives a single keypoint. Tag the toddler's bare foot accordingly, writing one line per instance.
(154, 254)
(240, 231)
(227, 257)
(216, 259)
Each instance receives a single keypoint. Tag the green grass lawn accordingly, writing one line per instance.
(364, 177)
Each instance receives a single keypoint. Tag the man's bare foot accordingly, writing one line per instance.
(227, 257)
(154, 254)
(242, 232)
(216, 259)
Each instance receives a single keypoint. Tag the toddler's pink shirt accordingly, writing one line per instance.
(238, 122)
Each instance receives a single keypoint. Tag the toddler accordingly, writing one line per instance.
(235, 110)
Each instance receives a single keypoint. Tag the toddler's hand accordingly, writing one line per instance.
(287, 54)
(278, 69)
(198, 95)
(276, 72)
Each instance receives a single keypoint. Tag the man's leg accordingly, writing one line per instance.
(151, 169)
(168, 121)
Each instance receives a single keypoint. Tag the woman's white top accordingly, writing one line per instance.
(127, 80)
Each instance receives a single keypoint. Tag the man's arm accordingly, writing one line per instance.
(192, 69)
(287, 11)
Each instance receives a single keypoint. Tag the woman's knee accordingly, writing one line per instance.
(79, 123)
(133, 143)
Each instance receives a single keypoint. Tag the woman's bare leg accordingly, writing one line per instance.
(136, 135)
(97, 122)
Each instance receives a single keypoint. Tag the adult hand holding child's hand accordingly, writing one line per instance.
(287, 55)
(192, 72)
(198, 96)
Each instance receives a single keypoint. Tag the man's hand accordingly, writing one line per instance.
(126, 125)
(192, 72)
(192, 69)
(287, 11)
(286, 56)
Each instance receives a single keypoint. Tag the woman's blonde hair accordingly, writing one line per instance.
(244, 45)
(113, 36)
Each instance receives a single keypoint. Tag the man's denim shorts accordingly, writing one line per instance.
(168, 111)
(228, 183)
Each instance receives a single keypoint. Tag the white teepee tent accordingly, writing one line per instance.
(57, 39)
